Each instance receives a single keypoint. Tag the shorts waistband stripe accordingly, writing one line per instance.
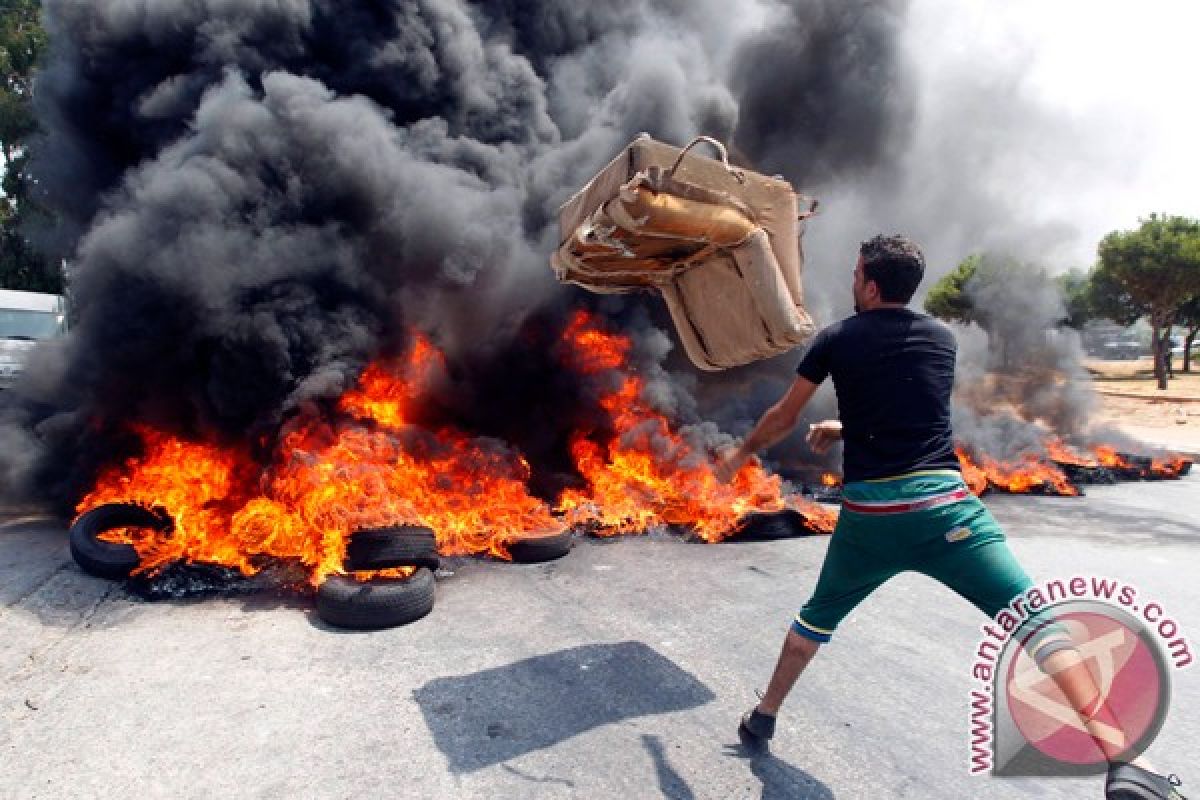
(949, 473)
(933, 501)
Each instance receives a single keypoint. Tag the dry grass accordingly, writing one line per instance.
(1137, 378)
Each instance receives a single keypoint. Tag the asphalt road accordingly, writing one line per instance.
(618, 671)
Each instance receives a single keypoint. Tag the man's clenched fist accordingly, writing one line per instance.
(822, 435)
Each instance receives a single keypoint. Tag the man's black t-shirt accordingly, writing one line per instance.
(893, 370)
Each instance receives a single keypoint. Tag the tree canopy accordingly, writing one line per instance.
(1155, 268)
(1015, 303)
(1188, 317)
(1076, 288)
(1151, 271)
(22, 43)
(1107, 298)
(948, 299)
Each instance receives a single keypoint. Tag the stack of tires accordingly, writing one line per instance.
(360, 598)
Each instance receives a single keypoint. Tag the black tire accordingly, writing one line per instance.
(763, 527)
(536, 549)
(379, 603)
(398, 546)
(106, 559)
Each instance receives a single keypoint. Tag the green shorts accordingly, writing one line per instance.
(923, 522)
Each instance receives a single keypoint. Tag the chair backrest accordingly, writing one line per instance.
(722, 245)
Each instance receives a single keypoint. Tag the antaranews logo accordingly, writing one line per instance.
(1073, 674)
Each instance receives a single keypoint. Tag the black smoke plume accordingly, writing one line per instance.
(258, 198)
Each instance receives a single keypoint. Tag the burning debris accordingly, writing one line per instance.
(1105, 464)
(332, 486)
(1059, 470)
(307, 245)
(369, 466)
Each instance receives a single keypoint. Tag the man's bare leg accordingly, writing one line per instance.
(797, 652)
(1071, 674)
(1127, 778)
(758, 725)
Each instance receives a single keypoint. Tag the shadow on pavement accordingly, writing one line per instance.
(38, 577)
(780, 780)
(492, 716)
(670, 782)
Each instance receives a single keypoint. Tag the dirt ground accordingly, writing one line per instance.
(1132, 402)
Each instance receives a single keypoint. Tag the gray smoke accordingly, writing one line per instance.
(1020, 373)
(960, 153)
(257, 198)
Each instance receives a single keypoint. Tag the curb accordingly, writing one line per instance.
(1154, 398)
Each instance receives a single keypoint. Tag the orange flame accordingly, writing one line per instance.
(1109, 457)
(975, 478)
(646, 474)
(1027, 474)
(328, 481)
(371, 466)
(1062, 453)
(1169, 466)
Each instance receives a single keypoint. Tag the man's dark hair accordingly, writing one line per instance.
(896, 265)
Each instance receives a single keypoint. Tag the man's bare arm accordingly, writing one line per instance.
(774, 426)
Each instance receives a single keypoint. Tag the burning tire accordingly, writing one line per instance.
(398, 546)
(763, 527)
(378, 603)
(109, 559)
(536, 549)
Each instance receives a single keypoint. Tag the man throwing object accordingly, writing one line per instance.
(905, 506)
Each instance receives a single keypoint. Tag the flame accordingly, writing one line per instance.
(644, 473)
(198, 483)
(974, 476)
(1062, 453)
(1031, 472)
(830, 480)
(370, 465)
(369, 469)
(1164, 467)
(1109, 457)
(1169, 466)
(1028, 473)
(383, 397)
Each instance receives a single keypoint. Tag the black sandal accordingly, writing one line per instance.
(756, 728)
(1127, 782)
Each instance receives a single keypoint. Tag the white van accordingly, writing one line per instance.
(25, 319)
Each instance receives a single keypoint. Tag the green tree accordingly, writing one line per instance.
(948, 299)
(1108, 299)
(1075, 286)
(1188, 317)
(1153, 270)
(1015, 303)
(22, 42)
